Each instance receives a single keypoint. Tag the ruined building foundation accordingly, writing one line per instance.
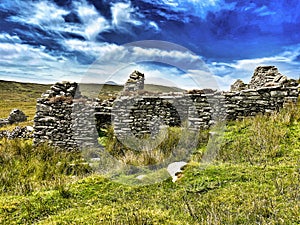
(69, 120)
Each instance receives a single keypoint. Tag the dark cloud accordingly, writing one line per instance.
(72, 18)
(63, 3)
(103, 6)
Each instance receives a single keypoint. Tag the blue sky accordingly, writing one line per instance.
(195, 43)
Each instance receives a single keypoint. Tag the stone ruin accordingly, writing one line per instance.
(263, 76)
(17, 132)
(135, 82)
(238, 85)
(66, 119)
(15, 116)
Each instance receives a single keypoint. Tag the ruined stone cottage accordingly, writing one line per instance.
(69, 120)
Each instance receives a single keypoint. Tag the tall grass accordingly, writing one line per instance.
(261, 139)
(26, 168)
(173, 142)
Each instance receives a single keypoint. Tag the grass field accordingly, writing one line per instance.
(254, 179)
(19, 95)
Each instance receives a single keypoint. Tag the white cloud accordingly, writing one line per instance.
(197, 8)
(120, 61)
(108, 54)
(50, 17)
(224, 82)
(180, 59)
(117, 62)
(264, 11)
(93, 22)
(124, 14)
(154, 25)
(105, 53)
(201, 79)
(43, 14)
(23, 62)
(154, 74)
(23, 54)
(7, 38)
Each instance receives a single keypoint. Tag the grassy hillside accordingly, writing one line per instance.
(15, 94)
(99, 90)
(159, 88)
(253, 179)
(19, 95)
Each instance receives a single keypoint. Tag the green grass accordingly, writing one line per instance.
(145, 151)
(250, 182)
(26, 168)
(263, 140)
(19, 95)
(253, 179)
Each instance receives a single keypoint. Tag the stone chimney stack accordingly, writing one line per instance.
(135, 82)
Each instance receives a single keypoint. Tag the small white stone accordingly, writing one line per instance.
(174, 168)
(140, 177)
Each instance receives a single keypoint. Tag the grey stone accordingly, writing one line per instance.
(238, 86)
(16, 116)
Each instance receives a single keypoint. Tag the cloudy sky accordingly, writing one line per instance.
(191, 44)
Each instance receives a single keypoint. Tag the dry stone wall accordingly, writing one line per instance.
(68, 120)
(262, 100)
(17, 132)
(63, 118)
(265, 76)
(144, 114)
(135, 82)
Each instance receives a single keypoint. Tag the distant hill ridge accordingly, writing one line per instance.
(111, 83)
(93, 90)
(19, 89)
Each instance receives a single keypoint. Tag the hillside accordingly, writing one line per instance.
(253, 179)
(19, 95)
(104, 90)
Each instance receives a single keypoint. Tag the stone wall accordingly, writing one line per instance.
(68, 120)
(63, 118)
(135, 82)
(144, 114)
(254, 101)
(17, 132)
(265, 76)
